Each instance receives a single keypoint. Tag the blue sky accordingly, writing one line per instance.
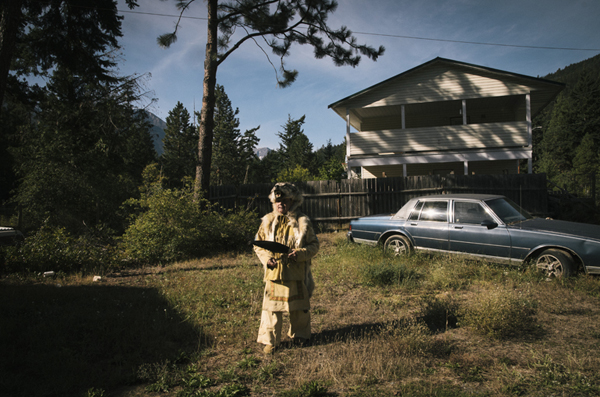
(413, 32)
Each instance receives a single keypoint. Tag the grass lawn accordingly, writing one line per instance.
(382, 326)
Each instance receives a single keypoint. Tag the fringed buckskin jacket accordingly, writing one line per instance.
(295, 230)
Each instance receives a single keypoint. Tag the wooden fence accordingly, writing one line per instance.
(337, 202)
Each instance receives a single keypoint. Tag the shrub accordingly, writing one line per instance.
(171, 226)
(387, 273)
(308, 389)
(53, 248)
(500, 315)
(439, 313)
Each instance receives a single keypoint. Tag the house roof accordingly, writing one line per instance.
(444, 79)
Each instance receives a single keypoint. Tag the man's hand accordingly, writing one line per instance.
(272, 263)
(293, 255)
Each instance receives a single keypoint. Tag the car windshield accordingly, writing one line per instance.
(508, 211)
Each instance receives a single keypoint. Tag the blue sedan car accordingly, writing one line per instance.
(489, 227)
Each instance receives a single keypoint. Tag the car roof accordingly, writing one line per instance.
(409, 205)
(471, 196)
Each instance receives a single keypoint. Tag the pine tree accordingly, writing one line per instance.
(180, 157)
(83, 156)
(232, 152)
(281, 24)
(295, 147)
(39, 36)
(572, 134)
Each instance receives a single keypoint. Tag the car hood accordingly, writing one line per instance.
(562, 227)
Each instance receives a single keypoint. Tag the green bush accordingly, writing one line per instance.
(172, 226)
(500, 315)
(387, 273)
(54, 249)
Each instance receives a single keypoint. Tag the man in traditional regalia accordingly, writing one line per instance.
(288, 279)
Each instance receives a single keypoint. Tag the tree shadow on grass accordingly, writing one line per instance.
(346, 333)
(62, 341)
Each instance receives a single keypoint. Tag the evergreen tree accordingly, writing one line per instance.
(180, 156)
(281, 24)
(83, 156)
(329, 161)
(248, 144)
(267, 169)
(76, 144)
(232, 152)
(572, 132)
(295, 147)
(38, 36)
(586, 164)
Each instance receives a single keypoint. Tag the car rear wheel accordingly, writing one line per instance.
(397, 245)
(555, 263)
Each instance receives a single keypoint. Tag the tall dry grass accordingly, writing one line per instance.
(418, 326)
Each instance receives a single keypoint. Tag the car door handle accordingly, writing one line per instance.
(458, 227)
(413, 224)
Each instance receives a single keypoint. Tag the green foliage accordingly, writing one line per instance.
(332, 170)
(329, 162)
(308, 389)
(172, 226)
(94, 392)
(267, 168)
(388, 273)
(568, 149)
(295, 148)
(500, 314)
(83, 156)
(180, 154)
(54, 249)
(75, 144)
(233, 152)
(297, 174)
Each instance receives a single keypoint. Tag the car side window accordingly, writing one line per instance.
(435, 211)
(414, 215)
(470, 213)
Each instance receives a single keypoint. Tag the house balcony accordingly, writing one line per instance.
(442, 139)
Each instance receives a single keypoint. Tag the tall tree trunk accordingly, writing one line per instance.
(10, 19)
(207, 113)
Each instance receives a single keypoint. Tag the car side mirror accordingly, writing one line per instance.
(489, 224)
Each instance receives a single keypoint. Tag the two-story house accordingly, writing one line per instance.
(444, 117)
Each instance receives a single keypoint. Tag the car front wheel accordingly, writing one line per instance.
(555, 263)
(397, 245)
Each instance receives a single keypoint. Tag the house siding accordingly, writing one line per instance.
(439, 83)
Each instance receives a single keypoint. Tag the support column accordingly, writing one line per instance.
(529, 131)
(528, 118)
(464, 111)
(349, 171)
(404, 172)
(402, 110)
(466, 167)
